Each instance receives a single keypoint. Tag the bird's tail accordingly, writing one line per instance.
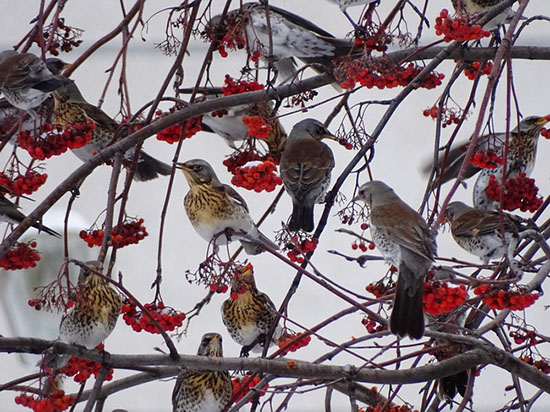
(52, 84)
(55, 361)
(255, 247)
(407, 317)
(449, 386)
(302, 218)
(149, 168)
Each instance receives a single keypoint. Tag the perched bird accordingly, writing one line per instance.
(9, 213)
(93, 316)
(344, 4)
(217, 211)
(522, 150)
(480, 232)
(248, 314)
(25, 80)
(284, 37)
(471, 7)
(405, 241)
(202, 390)
(71, 108)
(306, 165)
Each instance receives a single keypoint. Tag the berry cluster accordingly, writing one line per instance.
(385, 408)
(378, 40)
(257, 127)
(474, 69)
(486, 159)
(23, 184)
(242, 386)
(390, 77)
(130, 232)
(439, 298)
(362, 245)
(457, 28)
(219, 288)
(257, 176)
(239, 159)
(371, 325)
(57, 401)
(20, 256)
(167, 317)
(82, 369)
(296, 341)
(233, 86)
(64, 37)
(448, 116)
(233, 35)
(379, 288)
(504, 299)
(523, 336)
(298, 249)
(172, 133)
(545, 133)
(519, 193)
(55, 140)
(542, 365)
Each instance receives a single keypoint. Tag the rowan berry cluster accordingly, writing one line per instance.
(239, 159)
(358, 72)
(519, 193)
(379, 288)
(295, 341)
(523, 336)
(233, 86)
(384, 408)
(372, 325)
(545, 133)
(440, 298)
(257, 127)
(472, 70)
(346, 143)
(486, 159)
(219, 288)
(172, 133)
(297, 248)
(362, 245)
(23, 184)
(167, 317)
(20, 256)
(542, 365)
(55, 140)
(57, 401)
(257, 176)
(505, 299)
(64, 37)
(233, 38)
(243, 385)
(448, 116)
(457, 28)
(377, 40)
(130, 232)
(82, 369)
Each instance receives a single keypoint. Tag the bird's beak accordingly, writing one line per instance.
(330, 137)
(182, 166)
(544, 119)
(215, 339)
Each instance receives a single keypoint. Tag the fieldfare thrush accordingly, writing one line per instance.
(405, 241)
(217, 212)
(70, 107)
(472, 7)
(284, 37)
(202, 390)
(480, 232)
(93, 316)
(306, 165)
(248, 313)
(25, 80)
(9, 213)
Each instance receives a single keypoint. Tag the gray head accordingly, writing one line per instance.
(375, 193)
(456, 209)
(198, 172)
(532, 124)
(55, 65)
(6, 54)
(308, 128)
(211, 345)
(69, 93)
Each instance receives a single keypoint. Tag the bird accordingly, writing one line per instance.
(202, 390)
(248, 313)
(405, 241)
(9, 212)
(70, 108)
(282, 38)
(216, 210)
(93, 316)
(26, 81)
(471, 7)
(306, 166)
(231, 128)
(483, 233)
(522, 150)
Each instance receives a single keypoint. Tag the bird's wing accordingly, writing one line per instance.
(481, 222)
(99, 116)
(233, 194)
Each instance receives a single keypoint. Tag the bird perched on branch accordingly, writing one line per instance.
(522, 151)
(71, 108)
(472, 7)
(9, 213)
(248, 313)
(306, 166)
(405, 241)
(217, 212)
(93, 316)
(202, 390)
(26, 81)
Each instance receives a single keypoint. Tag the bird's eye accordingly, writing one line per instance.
(197, 168)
